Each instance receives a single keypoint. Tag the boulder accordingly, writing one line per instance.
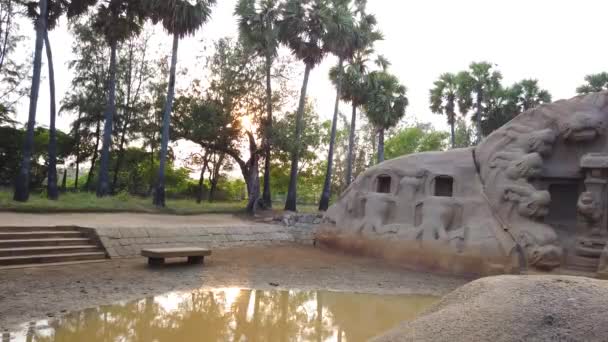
(514, 308)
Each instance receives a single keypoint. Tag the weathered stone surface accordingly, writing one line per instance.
(510, 202)
(514, 308)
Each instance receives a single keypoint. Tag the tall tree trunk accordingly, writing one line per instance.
(252, 176)
(22, 183)
(51, 189)
(103, 184)
(125, 125)
(159, 194)
(215, 175)
(479, 100)
(326, 194)
(290, 203)
(199, 194)
(266, 196)
(87, 186)
(351, 146)
(380, 145)
(64, 181)
(453, 133)
(77, 132)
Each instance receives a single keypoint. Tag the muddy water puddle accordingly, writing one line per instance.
(232, 315)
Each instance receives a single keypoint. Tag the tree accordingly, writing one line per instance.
(343, 39)
(594, 83)
(386, 104)
(302, 28)
(87, 93)
(22, 183)
(214, 119)
(13, 70)
(507, 103)
(135, 70)
(420, 138)
(55, 10)
(477, 86)
(179, 18)
(258, 30)
(443, 100)
(354, 78)
(117, 20)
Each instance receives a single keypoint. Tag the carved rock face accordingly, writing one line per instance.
(492, 197)
(582, 126)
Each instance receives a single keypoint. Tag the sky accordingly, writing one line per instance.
(557, 42)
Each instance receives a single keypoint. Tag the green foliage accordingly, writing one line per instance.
(386, 101)
(88, 202)
(180, 17)
(594, 83)
(421, 138)
(463, 134)
(10, 153)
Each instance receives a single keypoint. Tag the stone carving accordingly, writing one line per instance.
(590, 213)
(513, 200)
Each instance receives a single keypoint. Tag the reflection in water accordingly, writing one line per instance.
(233, 315)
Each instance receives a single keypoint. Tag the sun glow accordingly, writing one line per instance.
(247, 123)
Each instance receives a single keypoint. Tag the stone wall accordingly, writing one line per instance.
(128, 242)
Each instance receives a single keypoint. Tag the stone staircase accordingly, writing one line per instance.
(36, 246)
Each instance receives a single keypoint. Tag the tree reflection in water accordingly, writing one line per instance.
(233, 315)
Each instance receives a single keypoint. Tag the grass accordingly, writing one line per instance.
(86, 202)
(89, 203)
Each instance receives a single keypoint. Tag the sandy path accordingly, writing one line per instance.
(118, 220)
(35, 293)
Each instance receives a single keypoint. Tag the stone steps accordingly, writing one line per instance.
(43, 242)
(19, 251)
(50, 258)
(27, 246)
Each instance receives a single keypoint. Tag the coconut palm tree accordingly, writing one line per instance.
(258, 30)
(302, 28)
(594, 83)
(443, 100)
(385, 105)
(179, 18)
(22, 182)
(342, 41)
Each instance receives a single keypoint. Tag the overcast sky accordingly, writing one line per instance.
(556, 41)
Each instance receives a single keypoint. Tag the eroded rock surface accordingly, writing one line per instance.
(514, 308)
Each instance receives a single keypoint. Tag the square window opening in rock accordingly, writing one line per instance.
(383, 184)
(444, 186)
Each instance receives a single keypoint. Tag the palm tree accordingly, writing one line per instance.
(179, 18)
(595, 83)
(117, 20)
(386, 104)
(354, 78)
(341, 40)
(302, 28)
(22, 183)
(481, 82)
(529, 95)
(258, 30)
(443, 100)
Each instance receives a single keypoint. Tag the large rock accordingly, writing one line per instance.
(515, 308)
(510, 203)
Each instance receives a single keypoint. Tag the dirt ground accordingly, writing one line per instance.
(38, 293)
